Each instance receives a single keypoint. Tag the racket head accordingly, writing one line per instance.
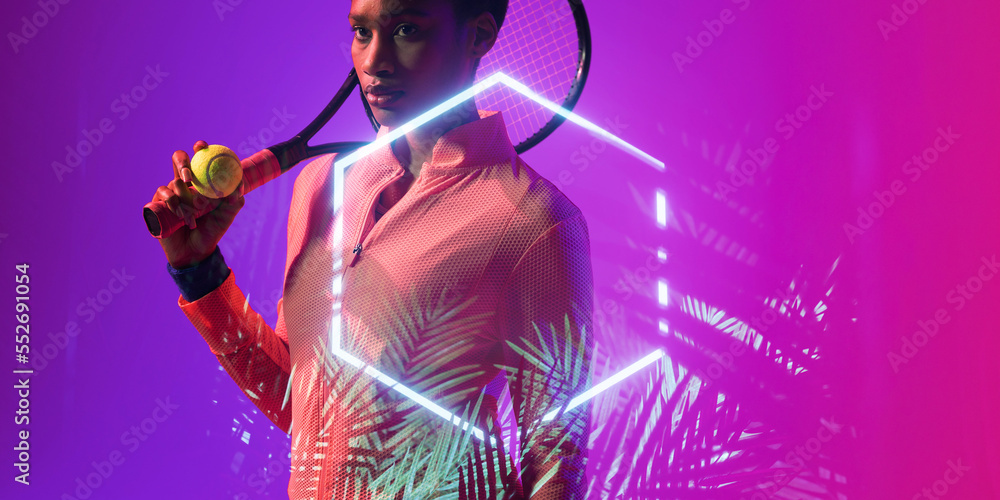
(544, 44)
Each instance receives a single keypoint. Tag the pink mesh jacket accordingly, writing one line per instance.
(475, 287)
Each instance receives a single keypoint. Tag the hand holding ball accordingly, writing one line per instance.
(216, 170)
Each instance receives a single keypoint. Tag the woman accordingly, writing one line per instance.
(454, 281)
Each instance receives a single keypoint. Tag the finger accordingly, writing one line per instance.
(182, 189)
(191, 202)
(169, 197)
(202, 204)
(198, 205)
(184, 214)
(186, 173)
(181, 160)
(185, 208)
(188, 214)
(162, 193)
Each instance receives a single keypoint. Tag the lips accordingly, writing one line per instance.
(382, 96)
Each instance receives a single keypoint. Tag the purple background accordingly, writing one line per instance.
(225, 75)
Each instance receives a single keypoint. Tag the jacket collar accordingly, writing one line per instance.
(477, 144)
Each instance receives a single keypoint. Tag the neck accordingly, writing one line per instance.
(418, 146)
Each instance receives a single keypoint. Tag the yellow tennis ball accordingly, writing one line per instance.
(217, 171)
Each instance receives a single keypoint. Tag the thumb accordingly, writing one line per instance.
(217, 221)
(230, 205)
(236, 199)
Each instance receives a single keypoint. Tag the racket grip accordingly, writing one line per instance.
(258, 169)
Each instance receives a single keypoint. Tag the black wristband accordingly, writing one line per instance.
(197, 281)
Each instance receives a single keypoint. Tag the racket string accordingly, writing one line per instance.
(539, 47)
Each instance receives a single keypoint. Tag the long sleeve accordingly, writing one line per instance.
(547, 314)
(254, 355)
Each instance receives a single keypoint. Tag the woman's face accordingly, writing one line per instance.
(410, 55)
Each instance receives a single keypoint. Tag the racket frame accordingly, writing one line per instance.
(572, 97)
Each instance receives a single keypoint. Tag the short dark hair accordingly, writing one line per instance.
(468, 9)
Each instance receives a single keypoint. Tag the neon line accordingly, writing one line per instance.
(661, 208)
(410, 393)
(579, 120)
(465, 95)
(420, 120)
(338, 200)
(606, 384)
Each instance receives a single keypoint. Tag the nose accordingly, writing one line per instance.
(379, 56)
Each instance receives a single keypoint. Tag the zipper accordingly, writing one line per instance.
(366, 228)
(363, 230)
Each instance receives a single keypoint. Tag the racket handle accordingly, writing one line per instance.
(257, 170)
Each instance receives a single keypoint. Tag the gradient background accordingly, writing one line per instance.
(228, 72)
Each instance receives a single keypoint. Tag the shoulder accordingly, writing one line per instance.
(314, 174)
(542, 204)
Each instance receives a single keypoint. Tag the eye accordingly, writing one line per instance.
(406, 30)
(361, 33)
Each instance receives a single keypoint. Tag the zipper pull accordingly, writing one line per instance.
(357, 253)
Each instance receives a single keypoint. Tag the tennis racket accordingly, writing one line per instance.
(266, 164)
(543, 44)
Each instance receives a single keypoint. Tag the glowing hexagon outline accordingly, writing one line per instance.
(338, 199)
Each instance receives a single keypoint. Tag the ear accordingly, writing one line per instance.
(484, 29)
